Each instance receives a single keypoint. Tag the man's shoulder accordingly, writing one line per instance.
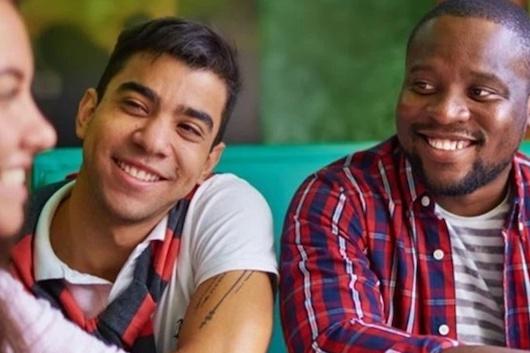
(366, 166)
(224, 184)
(226, 191)
(368, 159)
(523, 160)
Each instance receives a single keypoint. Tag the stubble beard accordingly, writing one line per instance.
(478, 176)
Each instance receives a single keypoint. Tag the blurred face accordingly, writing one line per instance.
(463, 107)
(23, 130)
(148, 142)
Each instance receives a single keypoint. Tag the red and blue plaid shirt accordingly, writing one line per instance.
(358, 270)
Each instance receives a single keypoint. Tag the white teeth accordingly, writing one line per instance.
(12, 177)
(448, 145)
(137, 173)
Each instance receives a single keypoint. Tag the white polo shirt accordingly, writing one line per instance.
(228, 227)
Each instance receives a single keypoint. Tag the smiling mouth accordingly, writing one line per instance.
(137, 173)
(448, 144)
(13, 177)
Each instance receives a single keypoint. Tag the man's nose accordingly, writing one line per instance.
(449, 107)
(153, 136)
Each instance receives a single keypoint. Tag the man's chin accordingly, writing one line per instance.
(478, 176)
(450, 187)
(456, 183)
(132, 213)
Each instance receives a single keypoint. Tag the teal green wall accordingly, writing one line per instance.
(331, 69)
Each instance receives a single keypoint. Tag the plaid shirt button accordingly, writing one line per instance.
(425, 201)
(443, 330)
(438, 254)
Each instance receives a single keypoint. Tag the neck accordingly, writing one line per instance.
(89, 239)
(480, 201)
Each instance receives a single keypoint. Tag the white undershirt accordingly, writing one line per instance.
(478, 259)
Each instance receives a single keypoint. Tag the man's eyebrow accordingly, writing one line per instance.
(420, 67)
(140, 89)
(200, 115)
(486, 76)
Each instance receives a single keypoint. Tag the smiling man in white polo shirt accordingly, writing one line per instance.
(146, 249)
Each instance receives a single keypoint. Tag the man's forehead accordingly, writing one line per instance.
(477, 36)
(466, 28)
(139, 67)
(468, 47)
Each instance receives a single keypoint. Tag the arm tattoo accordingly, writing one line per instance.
(209, 291)
(234, 288)
(250, 273)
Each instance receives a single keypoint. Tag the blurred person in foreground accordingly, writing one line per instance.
(146, 249)
(27, 325)
(421, 244)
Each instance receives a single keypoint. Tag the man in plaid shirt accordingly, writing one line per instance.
(420, 244)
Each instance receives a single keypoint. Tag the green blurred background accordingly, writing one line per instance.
(314, 71)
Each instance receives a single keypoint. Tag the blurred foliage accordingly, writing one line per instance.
(101, 20)
(331, 69)
(203, 8)
(234, 19)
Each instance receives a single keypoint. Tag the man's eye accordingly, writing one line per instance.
(481, 92)
(422, 87)
(190, 129)
(134, 107)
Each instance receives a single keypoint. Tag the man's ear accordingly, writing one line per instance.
(211, 162)
(85, 112)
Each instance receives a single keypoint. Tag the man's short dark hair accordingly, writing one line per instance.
(502, 12)
(193, 43)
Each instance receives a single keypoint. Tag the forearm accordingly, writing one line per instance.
(353, 335)
(32, 325)
(340, 310)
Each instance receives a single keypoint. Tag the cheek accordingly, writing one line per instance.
(506, 119)
(189, 166)
(103, 132)
(405, 114)
(11, 217)
(191, 162)
(9, 134)
(407, 107)
(408, 104)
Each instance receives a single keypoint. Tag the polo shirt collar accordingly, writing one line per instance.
(46, 263)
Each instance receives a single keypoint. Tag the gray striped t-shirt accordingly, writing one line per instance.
(478, 257)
